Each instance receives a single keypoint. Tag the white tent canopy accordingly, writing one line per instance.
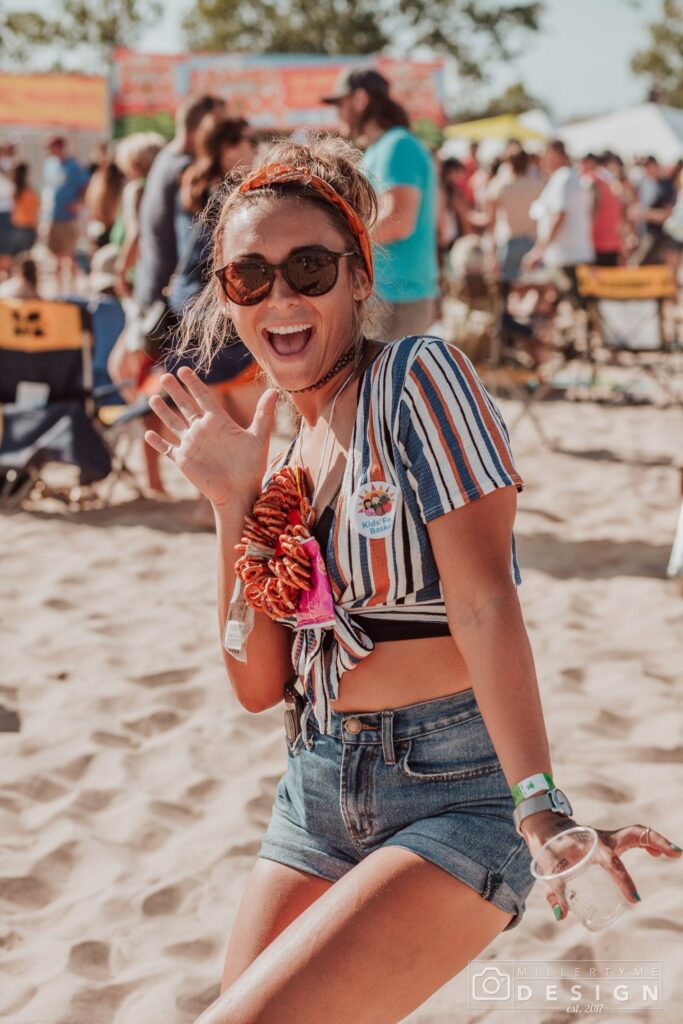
(648, 129)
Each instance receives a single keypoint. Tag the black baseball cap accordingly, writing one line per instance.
(358, 78)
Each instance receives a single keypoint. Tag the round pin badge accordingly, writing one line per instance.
(373, 507)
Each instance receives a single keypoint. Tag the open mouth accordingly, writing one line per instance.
(289, 340)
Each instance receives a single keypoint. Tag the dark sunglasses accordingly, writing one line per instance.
(310, 271)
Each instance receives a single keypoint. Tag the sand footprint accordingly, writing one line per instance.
(40, 789)
(186, 700)
(194, 949)
(27, 891)
(168, 899)
(610, 724)
(195, 1001)
(74, 770)
(171, 677)
(98, 1004)
(90, 959)
(93, 800)
(177, 813)
(113, 739)
(657, 755)
(604, 792)
(205, 789)
(154, 723)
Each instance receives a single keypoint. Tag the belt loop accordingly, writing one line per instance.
(388, 737)
(307, 741)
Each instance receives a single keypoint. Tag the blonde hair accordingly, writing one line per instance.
(137, 152)
(205, 328)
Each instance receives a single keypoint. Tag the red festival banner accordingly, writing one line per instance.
(76, 102)
(272, 91)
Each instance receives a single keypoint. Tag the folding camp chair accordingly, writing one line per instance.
(49, 411)
(626, 308)
(472, 318)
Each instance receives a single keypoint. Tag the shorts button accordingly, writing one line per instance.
(353, 725)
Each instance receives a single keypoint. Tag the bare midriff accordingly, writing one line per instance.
(400, 672)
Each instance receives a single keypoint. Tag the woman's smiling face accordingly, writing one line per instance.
(272, 229)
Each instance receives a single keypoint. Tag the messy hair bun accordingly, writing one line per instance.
(205, 328)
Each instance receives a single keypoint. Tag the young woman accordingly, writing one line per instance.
(391, 857)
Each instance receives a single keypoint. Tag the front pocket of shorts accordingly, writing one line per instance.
(455, 753)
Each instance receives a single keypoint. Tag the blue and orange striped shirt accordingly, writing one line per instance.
(427, 439)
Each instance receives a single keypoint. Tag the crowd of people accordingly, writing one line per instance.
(139, 219)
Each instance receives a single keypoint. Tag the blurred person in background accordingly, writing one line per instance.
(510, 197)
(23, 282)
(102, 198)
(157, 250)
(454, 221)
(64, 183)
(25, 211)
(404, 174)
(563, 215)
(625, 191)
(6, 204)
(657, 193)
(606, 212)
(223, 145)
(134, 157)
(157, 259)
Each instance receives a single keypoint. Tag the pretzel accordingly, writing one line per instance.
(280, 521)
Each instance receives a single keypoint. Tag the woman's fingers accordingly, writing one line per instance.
(185, 402)
(202, 396)
(558, 904)
(616, 867)
(156, 442)
(644, 837)
(167, 416)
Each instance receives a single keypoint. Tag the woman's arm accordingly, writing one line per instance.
(472, 548)
(257, 683)
(227, 464)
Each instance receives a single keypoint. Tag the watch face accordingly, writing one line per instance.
(562, 801)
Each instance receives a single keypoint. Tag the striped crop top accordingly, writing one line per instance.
(427, 439)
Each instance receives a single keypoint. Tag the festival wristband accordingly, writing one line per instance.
(530, 786)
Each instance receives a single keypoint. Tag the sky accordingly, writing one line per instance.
(578, 63)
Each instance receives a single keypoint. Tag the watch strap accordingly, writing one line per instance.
(552, 800)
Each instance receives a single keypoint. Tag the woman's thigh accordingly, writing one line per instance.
(275, 895)
(371, 949)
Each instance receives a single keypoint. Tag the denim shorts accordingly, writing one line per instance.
(425, 777)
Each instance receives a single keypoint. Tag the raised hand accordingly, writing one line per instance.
(223, 461)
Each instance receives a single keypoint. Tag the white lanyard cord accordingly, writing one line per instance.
(327, 435)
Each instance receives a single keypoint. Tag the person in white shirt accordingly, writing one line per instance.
(563, 216)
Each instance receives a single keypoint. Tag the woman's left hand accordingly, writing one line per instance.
(539, 828)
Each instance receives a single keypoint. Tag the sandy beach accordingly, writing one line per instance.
(135, 794)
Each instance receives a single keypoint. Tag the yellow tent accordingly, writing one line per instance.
(505, 126)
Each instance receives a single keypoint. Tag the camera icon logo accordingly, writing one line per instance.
(490, 983)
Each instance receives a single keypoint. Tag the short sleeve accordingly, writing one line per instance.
(451, 436)
(401, 163)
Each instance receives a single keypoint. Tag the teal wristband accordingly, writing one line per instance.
(530, 786)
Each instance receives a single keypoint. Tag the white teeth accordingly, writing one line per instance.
(289, 330)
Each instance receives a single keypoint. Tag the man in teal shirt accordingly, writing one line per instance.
(403, 173)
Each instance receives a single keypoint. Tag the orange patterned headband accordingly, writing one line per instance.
(279, 174)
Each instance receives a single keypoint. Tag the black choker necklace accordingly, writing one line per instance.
(343, 361)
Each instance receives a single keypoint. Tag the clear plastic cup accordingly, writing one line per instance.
(568, 865)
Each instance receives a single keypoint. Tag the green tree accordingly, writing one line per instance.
(99, 25)
(516, 99)
(472, 31)
(662, 62)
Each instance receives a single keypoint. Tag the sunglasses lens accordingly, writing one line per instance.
(313, 272)
(247, 283)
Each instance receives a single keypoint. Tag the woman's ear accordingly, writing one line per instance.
(361, 284)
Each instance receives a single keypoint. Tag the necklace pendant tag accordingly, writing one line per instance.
(373, 508)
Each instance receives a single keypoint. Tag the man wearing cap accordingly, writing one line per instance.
(403, 173)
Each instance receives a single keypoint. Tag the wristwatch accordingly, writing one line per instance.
(551, 800)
